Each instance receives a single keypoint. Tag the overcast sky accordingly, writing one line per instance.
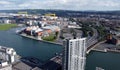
(80, 5)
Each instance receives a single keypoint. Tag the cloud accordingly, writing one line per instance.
(5, 2)
(62, 4)
(52, 4)
(105, 3)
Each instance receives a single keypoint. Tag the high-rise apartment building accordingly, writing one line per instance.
(74, 54)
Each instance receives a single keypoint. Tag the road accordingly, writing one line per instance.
(92, 40)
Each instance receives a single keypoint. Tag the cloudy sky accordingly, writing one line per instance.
(80, 5)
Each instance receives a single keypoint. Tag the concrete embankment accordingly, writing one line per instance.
(100, 50)
(116, 51)
(107, 50)
(31, 37)
(93, 46)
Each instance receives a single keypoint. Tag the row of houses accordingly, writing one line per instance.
(23, 18)
(6, 21)
(36, 31)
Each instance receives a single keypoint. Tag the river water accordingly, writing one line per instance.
(44, 51)
(28, 47)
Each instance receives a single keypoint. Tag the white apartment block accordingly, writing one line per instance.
(7, 54)
(74, 54)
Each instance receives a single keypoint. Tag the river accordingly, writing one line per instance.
(28, 47)
(44, 51)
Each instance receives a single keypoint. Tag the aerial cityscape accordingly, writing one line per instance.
(59, 35)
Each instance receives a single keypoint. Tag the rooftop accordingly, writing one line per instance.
(21, 66)
(24, 66)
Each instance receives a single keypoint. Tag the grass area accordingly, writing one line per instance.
(51, 38)
(7, 26)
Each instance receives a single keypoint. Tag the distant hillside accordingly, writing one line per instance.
(63, 13)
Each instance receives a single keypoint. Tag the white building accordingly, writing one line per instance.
(7, 54)
(54, 28)
(5, 21)
(74, 54)
(7, 57)
(7, 67)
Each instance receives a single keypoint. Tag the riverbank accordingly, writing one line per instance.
(104, 47)
(27, 47)
(106, 50)
(35, 38)
(98, 50)
(7, 26)
(94, 46)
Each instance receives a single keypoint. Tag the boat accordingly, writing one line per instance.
(105, 50)
(99, 68)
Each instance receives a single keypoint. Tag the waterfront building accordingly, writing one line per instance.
(113, 40)
(7, 67)
(5, 21)
(74, 54)
(7, 57)
(8, 54)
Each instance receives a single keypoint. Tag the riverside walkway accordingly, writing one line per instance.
(93, 46)
(39, 39)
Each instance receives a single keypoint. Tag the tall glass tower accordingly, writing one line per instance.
(74, 54)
